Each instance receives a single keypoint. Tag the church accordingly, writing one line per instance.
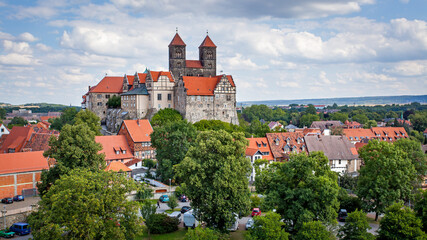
(192, 87)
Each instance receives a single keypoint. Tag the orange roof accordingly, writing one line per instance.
(155, 75)
(193, 64)
(133, 161)
(259, 144)
(207, 42)
(389, 134)
(177, 41)
(357, 134)
(109, 85)
(117, 166)
(139, 130)
(22, 162)
(203, 86)
(130, 79)
(284, 143)
(16, 139)
(113, 143)
(46, 118)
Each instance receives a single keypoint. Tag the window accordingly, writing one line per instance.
(2, 130)
(99, 103)
(169, 96)
(198, 98)
(339, 162)
(107, 96)
(178, 53)
(136, 164)
(99, 96)
(169, 105)
(117, 152)
(228, 97)
(159, 97)
(160, 106)
(209, 55)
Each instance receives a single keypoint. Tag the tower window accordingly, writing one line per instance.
(178, 53)
(169, 96)
(159, 96)
(209, 55)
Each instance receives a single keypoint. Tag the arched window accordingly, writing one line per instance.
(209, 55)
(178, 53)
(178, 64)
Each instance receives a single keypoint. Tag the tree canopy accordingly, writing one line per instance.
(267, 227)
(386, 177)
(67, 117)
(304, 189)
(215, 172)
(356, 227)
(172, 141)
(74, 209)
(164, 116)
(90, 119)
(314, 230)
(114, 102)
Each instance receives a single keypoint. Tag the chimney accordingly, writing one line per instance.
(89, 88)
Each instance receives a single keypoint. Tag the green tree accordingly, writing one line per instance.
(267, 227)
(172, 141)
(386, 177)
(421, 208)
(114, 102)
(307, 119)
(17, 121)
(87, 205)
(304, 189)
(258, 129)
(356, 227)
(369, 124)
(164, 116)
(74, 148)
(314, 230)
(400, 223)
(67, 117)
(360, 118)
(173, 202)
(419, 120)
(418, 136)
(90, 119)
(215, 172)
(310, 109)
(200, 233)
(413, 149)
(2, 113)
(339, 116)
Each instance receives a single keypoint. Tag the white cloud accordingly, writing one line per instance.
(409, 68)
(261, 83)
(27, 37)
(17, 59)
(17, 47)
(287, 84)
(239, 62)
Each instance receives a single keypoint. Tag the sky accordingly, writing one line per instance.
(52, 50)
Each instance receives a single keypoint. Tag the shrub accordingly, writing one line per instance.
(255, 201)
(161, 223)
(348, 202)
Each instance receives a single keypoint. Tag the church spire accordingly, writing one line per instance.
(207, 42)
(177, 40)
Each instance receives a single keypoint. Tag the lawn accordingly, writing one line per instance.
(168, 236)
(238, 235)
(169, 211)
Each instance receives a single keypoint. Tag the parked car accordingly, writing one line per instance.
(176, 215)
(235, 224)
(7, 200)
(250, 223)
(342, 215)
(183, 198)
(18, 198)
(20, 228)
(256, 212)
(185, 209)
(7, 234)
(164, 198)
(190, 220)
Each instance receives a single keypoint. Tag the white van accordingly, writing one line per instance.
(190, 220)
(235, 224)
(176, 215)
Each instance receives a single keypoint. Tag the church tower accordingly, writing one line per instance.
(177, 56)
(207, 57)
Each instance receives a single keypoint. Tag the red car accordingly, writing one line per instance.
(256, 212)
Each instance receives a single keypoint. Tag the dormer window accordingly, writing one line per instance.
(286, 149)
(298, 140)
(294, 148)
(351, 138)
(264, 144)
(277, 141)
(303, 147)
(356, 138)
(117, 152)
(123, 151)
(384, 138)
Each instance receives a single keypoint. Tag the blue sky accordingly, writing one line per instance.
(51, 51)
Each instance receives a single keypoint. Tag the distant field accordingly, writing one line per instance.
(344, 101)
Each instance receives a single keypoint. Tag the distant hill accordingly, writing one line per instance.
(344, 101)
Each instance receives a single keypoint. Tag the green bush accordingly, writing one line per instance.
(255, 201)
(348, 202)
(161, 223)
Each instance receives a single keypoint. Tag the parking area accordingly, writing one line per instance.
(22, 204)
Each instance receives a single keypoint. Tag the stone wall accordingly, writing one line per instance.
(14, 216)
(114, 119)
(97, 103)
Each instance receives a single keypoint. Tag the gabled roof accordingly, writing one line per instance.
(111, 144)
(177, 41)
(39, 142)
(117, 166)
(389, 134)
(16, 139)
(278, 141)
(108, 85)
(360, 133)
(139, 129)
(261, 145)
(207, 42)
(193, 64)
(46, 118)
(203, 86)
(156, 74)
(334, 147)
(142, 90)
(132, 162)
(22, 162)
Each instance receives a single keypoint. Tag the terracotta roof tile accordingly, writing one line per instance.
(177, 41)
(132, 162)
(389, 134)
(203, 86)
(193, 64)
(156, 74)
(38, 142)
(112, 144)
(46, 118)
(358, 134)
(259, 144)
(22, 162)
(16, 139)
(109, 85)
(117, 166)
(207, 42)
(139, 130)
(286, 141)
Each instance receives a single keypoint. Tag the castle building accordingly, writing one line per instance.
(190, 86)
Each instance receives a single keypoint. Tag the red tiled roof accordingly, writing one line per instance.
(109, 85)
(357, 134)
(278, 142)
(207, 42)
(139, 129)
(38, 142)
(130, 78)
(203, 86)
(259, 144)
(111, 144)
(22, 162)
(46, 118)
(155, 75)
(132, 162)
(177, 41)
(352, 124)
(193, 64)
(389, 134)
(117, 166)
(16, 139)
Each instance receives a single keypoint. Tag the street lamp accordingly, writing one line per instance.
(4, 216)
